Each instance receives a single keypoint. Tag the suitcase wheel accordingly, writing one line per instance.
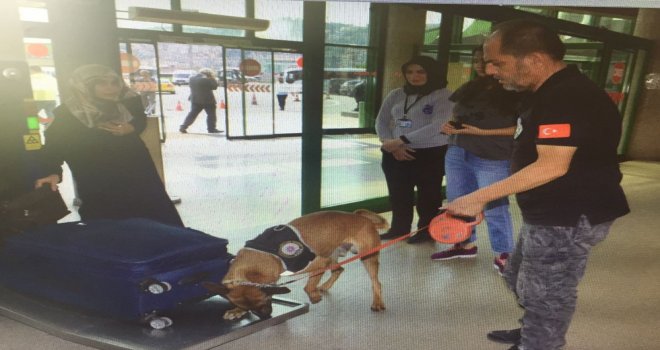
(160, 322)
(155, 287)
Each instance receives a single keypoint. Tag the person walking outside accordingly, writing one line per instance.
(565, 176)
(201, 98)
(413, 149)
(282, 92)
(480, 144)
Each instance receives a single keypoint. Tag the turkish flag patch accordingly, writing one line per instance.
(554, 131)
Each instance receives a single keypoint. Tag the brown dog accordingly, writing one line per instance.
(250, 282)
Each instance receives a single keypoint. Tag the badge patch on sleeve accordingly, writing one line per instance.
(554, 131)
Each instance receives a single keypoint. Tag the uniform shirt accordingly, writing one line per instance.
(570, 110)
(426, 117)
(284, 242)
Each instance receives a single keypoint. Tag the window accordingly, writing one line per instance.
(234, 8)
(347, 23)
(432, 28)
(474, 31)
(33, 11)
(286, 19)
(121, 6)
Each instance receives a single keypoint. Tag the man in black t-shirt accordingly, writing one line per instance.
(564, 172)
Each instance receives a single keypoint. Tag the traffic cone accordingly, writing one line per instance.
(178, 107)
(222, 104)
(254, 99)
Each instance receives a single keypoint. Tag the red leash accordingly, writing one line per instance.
(351, 259)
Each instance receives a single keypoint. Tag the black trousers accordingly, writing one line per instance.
(195, 109)
(281, 101)
(425, 174)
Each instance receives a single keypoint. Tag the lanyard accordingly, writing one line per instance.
(406, 108)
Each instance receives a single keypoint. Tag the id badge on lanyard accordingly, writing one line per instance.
(405, 122)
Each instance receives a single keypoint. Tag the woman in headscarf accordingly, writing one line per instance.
(96, 131)
(413, 149)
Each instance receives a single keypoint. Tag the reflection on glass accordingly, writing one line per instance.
(121, 6)
(432, 28)
(345, 85)
(33, 14)
(285, 19)
(218, 7)
(351, 169)
(347, 23)
(620, 25)
(618, 77)
(474, 31)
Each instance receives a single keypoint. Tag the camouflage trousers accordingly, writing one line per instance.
(544, 271)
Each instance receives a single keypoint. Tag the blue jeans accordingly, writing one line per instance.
(466, 173)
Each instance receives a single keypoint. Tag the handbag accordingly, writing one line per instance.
(41, 206)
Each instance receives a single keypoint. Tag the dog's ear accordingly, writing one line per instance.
(271, 290)
(217, 288)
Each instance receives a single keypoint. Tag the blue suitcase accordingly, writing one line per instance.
(134, 269)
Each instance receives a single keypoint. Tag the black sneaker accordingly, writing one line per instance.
(507, 337)
(515, 347)
(420, 237)
(391, 235)
(183, 130)
(215, 131)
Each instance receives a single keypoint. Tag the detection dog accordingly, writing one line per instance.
(251, 280)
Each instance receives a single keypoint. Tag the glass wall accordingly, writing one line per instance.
(218, 7)
(350, 162)
(347, 80)
(121, 6)
(286, 19)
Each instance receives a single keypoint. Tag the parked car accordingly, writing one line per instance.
(348, 87)
(234, 76)
(182, 77)
(166, 86)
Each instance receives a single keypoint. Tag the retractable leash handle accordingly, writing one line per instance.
(452, 229)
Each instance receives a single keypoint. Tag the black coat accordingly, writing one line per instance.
(201, 89)
(115, 175)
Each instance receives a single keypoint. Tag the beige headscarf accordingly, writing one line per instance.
(84, 104)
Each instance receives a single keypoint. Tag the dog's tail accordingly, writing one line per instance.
(379, 221)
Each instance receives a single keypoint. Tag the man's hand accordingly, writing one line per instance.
(467, 205)
(51, 180)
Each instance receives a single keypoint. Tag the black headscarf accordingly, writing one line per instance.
(435, 79)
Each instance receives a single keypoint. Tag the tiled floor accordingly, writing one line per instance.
(430, 305)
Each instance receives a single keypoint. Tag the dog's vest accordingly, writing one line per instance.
(284, 242)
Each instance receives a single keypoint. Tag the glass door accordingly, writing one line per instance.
(140, 70)
(617, 83)
(263, 93)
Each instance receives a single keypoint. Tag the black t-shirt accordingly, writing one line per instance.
(570, 110)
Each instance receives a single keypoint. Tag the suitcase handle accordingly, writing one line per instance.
(193, 279)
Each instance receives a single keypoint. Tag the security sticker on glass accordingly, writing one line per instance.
(404, 122)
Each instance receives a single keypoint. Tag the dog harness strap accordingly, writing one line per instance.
(283, 242)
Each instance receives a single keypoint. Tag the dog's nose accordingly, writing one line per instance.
(264, 312)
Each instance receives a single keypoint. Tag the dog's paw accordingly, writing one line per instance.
(315, 297)
(377, 307)
(234, 314)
